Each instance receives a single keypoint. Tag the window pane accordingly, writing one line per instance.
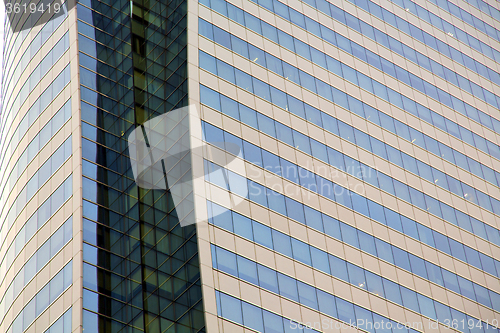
(252, 317)
(282, 243)
(272, 323)
(338, 268)
(307, 295)
(301, 251)
(327, 303)
(231, 308)
(374, 283)
(247, 270)
(267, 279)
(242, 226)
(345, 311)
(262, 235)
(226, 261)
(356, 275)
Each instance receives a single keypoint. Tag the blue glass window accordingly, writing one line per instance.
(288, 287)
(338, 268)
(226, 261)
(267, 278)
(301, 251)
(252, 317)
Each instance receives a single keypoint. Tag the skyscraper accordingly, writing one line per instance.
(369, 131)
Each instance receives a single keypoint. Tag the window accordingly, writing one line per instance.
(252, 153)
(385, 183)
(418, 266)
(374, 283)
(434, 273)
(289, 171)
(210, 98)
(271, 162)
(441, 242)
(295, 210)
(236, 14)
(384, 250)
(226, 261)
(239, 46)
(319, 151)
(313, 218)
(457, 250)
(270, 32)
(286, 40)
(367, 243)
(392, 291)
(450, 281)
(276, 202)
(222, 37)
(221, 217)
(261, 89)
(268, 279)
(216, 175)
(338, 268)
(345, 311)
(257, 193)
(266, 124)
(376, 212)
(349, 235)
(288, 287)
(296, 106)
(257, 55)
(409, 299)
(363, 317)
(401, 258)
(225, 71)
(320, 260)
(252, 317)
(262, 235)
(466, 288)
(291, 73)
(279, 98)
(356, 275)
(332, 226)
(359, 204)
(301, 142)
(243, 80)
(301, 251)
(242, 226)
(282, 243)
(248, 116)
(425, 234)
(272, 323)
(393, 219)
(307, 295)
(326, 303)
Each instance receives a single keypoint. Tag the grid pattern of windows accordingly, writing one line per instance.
(359, 203)
(132, 68)
(336, 307)
(253, 317)
(36, 174)
(319, 107)
(361, 240)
